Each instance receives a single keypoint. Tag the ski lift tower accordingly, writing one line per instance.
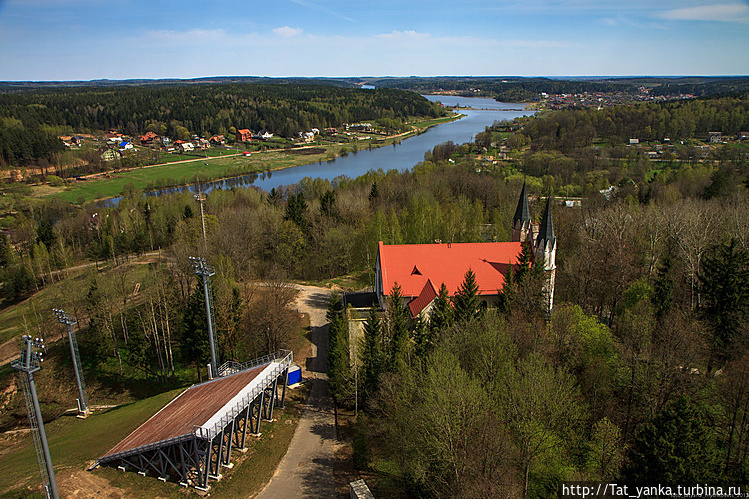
(201, 268)
(28, 363)
(69, 322)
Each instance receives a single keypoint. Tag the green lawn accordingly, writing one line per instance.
(185, 173)
(75, 443)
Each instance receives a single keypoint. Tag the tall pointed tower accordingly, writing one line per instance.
(546, 248)
(521, 222)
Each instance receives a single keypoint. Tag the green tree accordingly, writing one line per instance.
(398, 328)
(296, 210)
(605, 451)
(194, 344)
(340, 376)
(372, 354)
(724, 284)
(442, 313)
(663, 289)
(676, 447)
(466, 298)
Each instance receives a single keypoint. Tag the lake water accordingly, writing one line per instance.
(399, 157)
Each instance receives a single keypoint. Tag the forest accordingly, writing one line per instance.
(30, 119)
(514, 89)
(648, 336)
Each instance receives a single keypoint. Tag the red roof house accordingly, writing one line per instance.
(244, 135)
(418, 267)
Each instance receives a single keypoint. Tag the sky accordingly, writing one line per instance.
(101, 39)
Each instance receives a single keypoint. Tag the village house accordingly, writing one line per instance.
(244, 135)
(108, 154)
(217, 140)
(263, 135)
(186, 147)
(148, 138)
(113, 137)
(714, 137)
(125, 146)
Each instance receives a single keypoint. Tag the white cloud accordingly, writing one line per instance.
(287, 31)
(403, 36)
(726, 12)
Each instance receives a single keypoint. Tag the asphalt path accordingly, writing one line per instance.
(307, 468)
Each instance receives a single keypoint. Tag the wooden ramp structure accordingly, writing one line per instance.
(191, 438)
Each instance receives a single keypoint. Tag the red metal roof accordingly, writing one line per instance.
(411, 265)
(193, 407)
(426, 296)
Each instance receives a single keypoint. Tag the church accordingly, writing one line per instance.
(421, 269)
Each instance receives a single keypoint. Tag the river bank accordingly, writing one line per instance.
(107, 185)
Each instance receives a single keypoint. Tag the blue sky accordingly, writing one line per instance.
(92, 39)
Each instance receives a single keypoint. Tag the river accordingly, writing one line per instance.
(401, 157)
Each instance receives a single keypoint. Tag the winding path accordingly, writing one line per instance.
(307, 468)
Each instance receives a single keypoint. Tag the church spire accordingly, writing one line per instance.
(522, 214)
(546, 231)
(521, 222)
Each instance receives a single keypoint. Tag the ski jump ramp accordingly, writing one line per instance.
(191, 438)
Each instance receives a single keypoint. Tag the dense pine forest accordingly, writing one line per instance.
(640, 374)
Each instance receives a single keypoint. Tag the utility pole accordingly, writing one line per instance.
(69, 322)
(202, 269)
(28, 363)
(200, 197)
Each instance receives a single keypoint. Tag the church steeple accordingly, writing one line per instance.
(546, 249)
(521, 222)
(546, 231)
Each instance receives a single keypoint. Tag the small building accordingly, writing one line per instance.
(244, 135)
(217, 140)
(186, 147)
(714, 137)
(263, 135)
(148, 138)
(634, 142)
(743, 135)
(203, 144)
(108, 154)
(113, 137)
(125, 145)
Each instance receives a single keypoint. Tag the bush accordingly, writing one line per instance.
(55, 181)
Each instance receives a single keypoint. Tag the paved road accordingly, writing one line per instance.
(307, 468)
